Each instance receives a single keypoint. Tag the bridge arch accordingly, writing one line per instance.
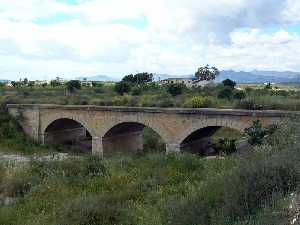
(198, 138)
(239, 125)
(128, 136)
(70, 133)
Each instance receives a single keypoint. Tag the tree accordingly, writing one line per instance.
(31, 84)
(129, 78)
(97, 84)
(175, 89)
(268, 86)
(207, 73)
(225, 92)
(239, 95)
(16, 84)
(55, 83)
(139, 78)
(142, 78)
(25, 81)
(122, 87)
(229, 83)
(73, 85)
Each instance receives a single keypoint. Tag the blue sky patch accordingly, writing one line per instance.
(70, 2)
(139, 23)
(57, 18)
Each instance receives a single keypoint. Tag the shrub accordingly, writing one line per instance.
(225, 93)
(197, 102)
(248, 103)
(152, 141)
(268, 86)
(73, 85)
(89, 166)
(256, 133)
(95, 210)
(124, 100)
(98, 90)
(122, 87)
(175, 89)
(239, 95)
(160, 100)
(136, 90)
(225, 146)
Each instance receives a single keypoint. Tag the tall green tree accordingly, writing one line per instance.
(229, 83)
(207, 73)
(73, 86)
(139, 78)
(122, 87)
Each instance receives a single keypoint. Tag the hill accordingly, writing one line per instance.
(255, 76)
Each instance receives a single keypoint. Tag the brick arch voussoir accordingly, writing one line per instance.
(54, 117)
(237, 125)
(161, 131)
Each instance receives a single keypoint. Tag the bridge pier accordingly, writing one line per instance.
(172, 148)
(97, 146)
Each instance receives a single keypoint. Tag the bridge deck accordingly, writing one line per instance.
(201, 111)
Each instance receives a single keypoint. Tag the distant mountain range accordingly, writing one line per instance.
(255, 76)
(98, 78)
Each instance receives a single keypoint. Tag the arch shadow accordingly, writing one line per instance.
(69, 134)
(130, 138)
(201, 141)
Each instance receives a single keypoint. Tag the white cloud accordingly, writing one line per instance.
(178, 37)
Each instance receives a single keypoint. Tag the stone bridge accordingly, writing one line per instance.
(121, 128)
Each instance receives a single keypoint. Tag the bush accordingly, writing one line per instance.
(73, 85)
(256, 133)
(95, 210)
(225, 146)
(161, 100)
(89, 166)
(225, 93)
(122, 87)
(258, 180)
(152, 141)
(15, 183)
(239, 95)
(248, 103)
(136, 90)
(125, 100)
(197, 102)
(175, 89)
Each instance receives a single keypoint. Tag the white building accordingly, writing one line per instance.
(189, 82)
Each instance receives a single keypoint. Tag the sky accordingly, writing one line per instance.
(43, 39)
